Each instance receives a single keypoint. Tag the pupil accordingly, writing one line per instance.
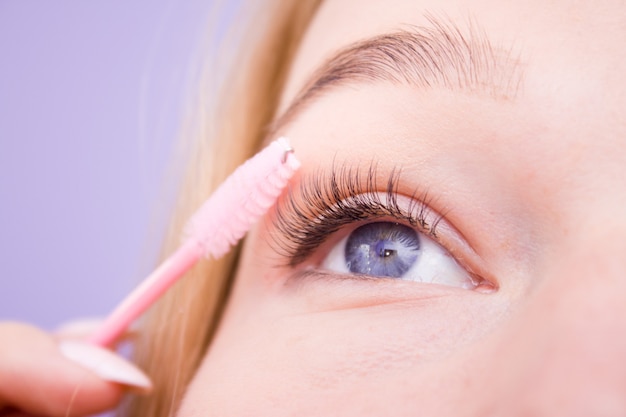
(382, 249)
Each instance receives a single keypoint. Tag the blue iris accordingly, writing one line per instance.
(382, 249)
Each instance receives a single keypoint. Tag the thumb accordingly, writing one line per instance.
(41, 376)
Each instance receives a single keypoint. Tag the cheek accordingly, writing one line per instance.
(278, 371)
(275, 355)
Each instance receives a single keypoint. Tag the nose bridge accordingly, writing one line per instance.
(566, 350)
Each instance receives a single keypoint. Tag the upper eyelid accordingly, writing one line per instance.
(326, 201)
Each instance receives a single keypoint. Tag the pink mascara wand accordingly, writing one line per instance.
(219, 223)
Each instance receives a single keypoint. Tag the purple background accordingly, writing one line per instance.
(91, 99)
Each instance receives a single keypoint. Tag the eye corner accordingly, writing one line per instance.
(483, 285)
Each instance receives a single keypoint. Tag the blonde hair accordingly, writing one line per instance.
(226, 129)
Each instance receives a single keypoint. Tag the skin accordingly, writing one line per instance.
(37, 380)
(534, 187)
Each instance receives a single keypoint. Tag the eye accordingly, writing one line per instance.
(390, 234)
(388, 249)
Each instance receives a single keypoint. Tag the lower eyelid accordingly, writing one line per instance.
(326, 291)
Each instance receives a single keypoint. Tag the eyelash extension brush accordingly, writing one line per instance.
(218, 224)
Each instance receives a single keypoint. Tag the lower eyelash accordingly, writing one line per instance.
(325, 202)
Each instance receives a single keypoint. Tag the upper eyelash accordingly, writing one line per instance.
(325, 202)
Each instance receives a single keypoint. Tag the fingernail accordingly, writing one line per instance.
(106, 364)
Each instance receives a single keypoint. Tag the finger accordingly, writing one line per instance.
(39, 377)
(77, 329)
(81, 329)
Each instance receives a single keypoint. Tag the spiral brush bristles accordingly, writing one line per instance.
(242, 199)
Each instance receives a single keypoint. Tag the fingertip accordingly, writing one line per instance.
(38, 378)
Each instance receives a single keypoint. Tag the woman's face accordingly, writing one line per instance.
(455, 243)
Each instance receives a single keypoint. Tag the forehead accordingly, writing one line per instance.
(562, 139)
(572, 92)
(562, 43)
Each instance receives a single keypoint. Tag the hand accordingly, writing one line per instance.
(44, 376)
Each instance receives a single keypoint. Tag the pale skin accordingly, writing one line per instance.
(532, 181)
(37, 379)
(534, 187)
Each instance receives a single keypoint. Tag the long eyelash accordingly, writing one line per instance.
(325, 202)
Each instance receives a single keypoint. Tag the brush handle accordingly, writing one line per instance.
(216, 226)
(146, 294)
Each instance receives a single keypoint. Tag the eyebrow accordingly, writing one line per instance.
(437, 56)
